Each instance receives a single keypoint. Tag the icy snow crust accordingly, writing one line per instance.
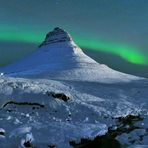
(97, 95)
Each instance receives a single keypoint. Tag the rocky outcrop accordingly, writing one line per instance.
(56, 36)
(123, 125)
(23, 103)
(60, 96)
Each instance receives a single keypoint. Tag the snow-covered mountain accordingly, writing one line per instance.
(58, 95)
(58, 57)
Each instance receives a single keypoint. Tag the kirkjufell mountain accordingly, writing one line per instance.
(59, 97)
(58, 57)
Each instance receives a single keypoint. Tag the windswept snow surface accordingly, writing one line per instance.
(31, 115)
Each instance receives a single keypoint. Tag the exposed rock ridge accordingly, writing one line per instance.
(56, 36)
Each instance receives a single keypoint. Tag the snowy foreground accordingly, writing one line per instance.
(59, 97)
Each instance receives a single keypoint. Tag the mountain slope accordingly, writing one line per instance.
(58, 95)
(58, 57)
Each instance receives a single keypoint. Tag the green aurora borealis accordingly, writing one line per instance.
(128, 53)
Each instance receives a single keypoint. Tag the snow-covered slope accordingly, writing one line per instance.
(58, 95)
(58, 57)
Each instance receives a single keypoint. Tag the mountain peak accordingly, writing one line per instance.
(60, 58)
(57, 35)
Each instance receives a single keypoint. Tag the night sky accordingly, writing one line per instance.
(113, 32)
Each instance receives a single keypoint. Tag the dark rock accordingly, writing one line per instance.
(98, 142)
(2, 133)
(51, 146)
(28, 144)
(56, 36)
(124, 125)
(23, 103)
(60, 96)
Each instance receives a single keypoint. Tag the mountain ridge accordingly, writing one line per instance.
(55, 36)
(59, 57)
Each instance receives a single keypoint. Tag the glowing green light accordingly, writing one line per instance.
(128, 53)
(29, 37)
